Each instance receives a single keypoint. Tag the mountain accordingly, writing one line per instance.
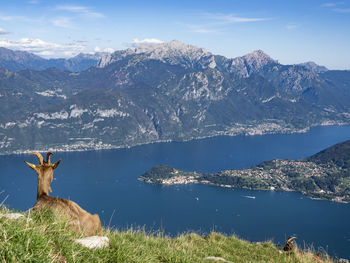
(324, 175)
(249, 64)
(173, 53)
(314, 67)
(18, 60)
(338, 154)
(15, 60)
(162, 92)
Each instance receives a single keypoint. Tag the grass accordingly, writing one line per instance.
(48, 239)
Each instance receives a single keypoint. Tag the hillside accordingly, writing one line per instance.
(325, 175)
(338, 154)
(45, 239)
(165, 92)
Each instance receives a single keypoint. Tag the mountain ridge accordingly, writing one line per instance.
(138, 98)
(16, 60)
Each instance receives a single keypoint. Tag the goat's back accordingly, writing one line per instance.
(78, 218)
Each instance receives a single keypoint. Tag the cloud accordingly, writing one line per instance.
(64, 22)
(332, 4)
(82, 10)
(292, 26)
(147, 41)
(4, 32)
(341, 10)
(108, 49)
(232, 19)
(42, 48)
(216, 23)
(136, 41)
(202, 29)
(10, 18)
(328, 4)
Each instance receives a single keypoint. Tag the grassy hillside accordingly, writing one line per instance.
(45, 239)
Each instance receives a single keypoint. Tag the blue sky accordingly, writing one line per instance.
(291, 31)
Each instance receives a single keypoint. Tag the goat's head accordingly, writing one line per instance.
(44, 171)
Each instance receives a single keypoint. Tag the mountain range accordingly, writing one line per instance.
(16, 60)
(160, 92)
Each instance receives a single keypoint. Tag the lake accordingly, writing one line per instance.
(105, 182)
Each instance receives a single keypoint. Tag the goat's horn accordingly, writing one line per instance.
(48, 157)
(291, 239)
(40, 157)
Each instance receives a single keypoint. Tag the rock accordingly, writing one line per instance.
(93, 242)
(14, 216)
(217, 259)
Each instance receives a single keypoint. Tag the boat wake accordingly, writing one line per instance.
(249, 196)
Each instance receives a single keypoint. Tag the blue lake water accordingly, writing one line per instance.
(105, 182)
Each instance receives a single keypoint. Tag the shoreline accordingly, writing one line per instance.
(242, 188)
(227, 132)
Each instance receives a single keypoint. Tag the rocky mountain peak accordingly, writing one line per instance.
(310, 65)
(258, 58)
(249, 63)
(177, 52)
(174, 52)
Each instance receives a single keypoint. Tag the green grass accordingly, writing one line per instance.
(47, 239)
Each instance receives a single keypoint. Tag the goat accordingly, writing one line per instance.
(289, 244)
(78, 218)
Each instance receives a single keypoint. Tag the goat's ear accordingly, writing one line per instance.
(33, 166)
(54, 166)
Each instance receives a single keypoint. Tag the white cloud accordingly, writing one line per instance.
(42, 48)
(342, 10)
(45, 53)
(202, 29)
(10, 18)
(332, 4)
(232, 19)
(136, 41)
(216, 23)
(82, 10)
(108, 49)
(292, 26)
(3, 32)
(64, 22)
(328, 4)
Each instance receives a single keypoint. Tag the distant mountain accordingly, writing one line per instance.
(249, 64)
(173, 53)
(314, 67)
(161, 92)
(18, 60)
(15, 60)
(324, 175)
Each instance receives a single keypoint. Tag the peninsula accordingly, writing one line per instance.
(325, 175)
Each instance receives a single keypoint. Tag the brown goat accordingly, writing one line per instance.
(79, 219)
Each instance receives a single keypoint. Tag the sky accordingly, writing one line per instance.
(290, 31)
